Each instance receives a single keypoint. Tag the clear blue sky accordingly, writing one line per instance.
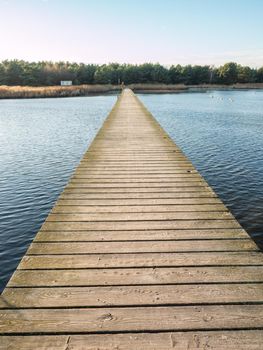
(133, 31)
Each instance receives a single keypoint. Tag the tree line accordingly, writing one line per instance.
(19, 72)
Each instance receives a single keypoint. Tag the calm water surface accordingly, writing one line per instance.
(42, 141)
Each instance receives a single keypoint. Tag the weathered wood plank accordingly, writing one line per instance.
(133, 155)
(41, 342)
(135, 276)
(132, 319)
(110, 177)
(131, 295)
(134, 172)
(144, 181)
(141, 202)
(141, 246)
(140, 225)
(128, 150)
(133, 189)
(59, 217)
(131, 159)
(135, 167)
(140, 260)
(60, 208)
(207, 193)
(150, 235)
(220, 340)
(80, 183)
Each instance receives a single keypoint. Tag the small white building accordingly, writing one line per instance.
(66, 82)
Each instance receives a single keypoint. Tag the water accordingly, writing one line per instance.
(42, 141)
(222, 133)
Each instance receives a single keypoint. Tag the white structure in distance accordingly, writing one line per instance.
(66, 82)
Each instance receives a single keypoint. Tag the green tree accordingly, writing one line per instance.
(14, 73)
(245, 74)
(85, 73)
(259, 75)
(228, 73)
(130, 74)
(2, 74)
(200, 75)
(175, 74)
(160, 74)
(19, 72)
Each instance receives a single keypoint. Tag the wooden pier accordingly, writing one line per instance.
(137, 253)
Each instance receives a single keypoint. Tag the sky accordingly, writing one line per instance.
(133, 31)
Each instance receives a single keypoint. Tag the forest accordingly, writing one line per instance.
(23, 73)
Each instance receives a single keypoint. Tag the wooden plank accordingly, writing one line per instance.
(60, 208)
(116, 151)
(132, 319)
(136, 167)
(145, 163)
(42, 342)
(131, 296)
(150, 235)
(133, 155)
(148, 187)
(120, 175)
(141, 202)
(135, 177)
(135, 276)
(140, 225)
(141, 246)
(206, 193)
(166, 216)
(160, 189)
(134, 172)
(220, 340)
(192, 182)
(140, 260)
(128, 159)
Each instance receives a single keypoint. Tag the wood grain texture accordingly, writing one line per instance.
(207, 193)
(131, 319)
(86, 209)
(131, 295)
(139, 225)
(220, 340)
(139, 235)
(141, 202)
(34, 262)
(141, 247)
(135, 276)
(115, 217)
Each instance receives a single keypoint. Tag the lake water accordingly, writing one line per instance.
(43, 140)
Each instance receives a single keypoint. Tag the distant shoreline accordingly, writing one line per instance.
(16, 92)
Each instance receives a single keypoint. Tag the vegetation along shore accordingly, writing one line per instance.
(21, 79)
(7, 92)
